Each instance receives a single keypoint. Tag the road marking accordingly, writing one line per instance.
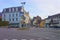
(31, 39)
(14, 39)
(47, 37)
(23, 39)
(40, 38)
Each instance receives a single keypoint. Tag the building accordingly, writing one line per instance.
(0, 16)
(42, 23)
(36, 21)
(14, 15)
(53, 21)
(27, 19)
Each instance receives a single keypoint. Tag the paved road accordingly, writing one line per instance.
(31, 34)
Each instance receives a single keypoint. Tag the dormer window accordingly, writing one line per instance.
(9, 9)
(13, 9)
(4, 10)
(16, 9)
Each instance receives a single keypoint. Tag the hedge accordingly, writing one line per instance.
(4, 23)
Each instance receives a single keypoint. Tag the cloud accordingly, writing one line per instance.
(48, 7)
(42, 8)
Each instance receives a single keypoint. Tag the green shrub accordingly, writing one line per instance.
(4, 23)
(23, 28)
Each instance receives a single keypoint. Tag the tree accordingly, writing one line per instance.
(0, 19)
(36, 21)
(42, 23)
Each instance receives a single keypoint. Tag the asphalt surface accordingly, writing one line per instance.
(31, 34)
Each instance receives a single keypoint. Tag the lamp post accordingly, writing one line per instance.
(23, 11)
(23, 3)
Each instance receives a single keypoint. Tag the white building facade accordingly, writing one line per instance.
(13, 15)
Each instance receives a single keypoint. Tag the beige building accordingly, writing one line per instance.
(27, 18)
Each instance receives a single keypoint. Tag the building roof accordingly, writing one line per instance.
(54, 15)
(6, 10)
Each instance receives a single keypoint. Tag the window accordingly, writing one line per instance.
(19, 8)
(16, 14)
(19, 14)
(16, 19)
(13, 19)
(10, 10)
(9, 15)
(59, 17)
(13, 15)
(9, 19)
(16, 9)
(13, 9)
(7, 10)
(4, 15)
(4, 10)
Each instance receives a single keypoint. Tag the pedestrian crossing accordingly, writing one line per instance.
(18, 39)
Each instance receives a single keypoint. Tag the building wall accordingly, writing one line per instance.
(12, 17)
(42, 23)
(27, 17)
(0, 16)
(55, 18)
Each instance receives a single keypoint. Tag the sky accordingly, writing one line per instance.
(42, 8)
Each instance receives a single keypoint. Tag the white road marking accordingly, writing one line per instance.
(23, 39)
(40, 38)
(47, 37)
(31, 39)
(14, 39)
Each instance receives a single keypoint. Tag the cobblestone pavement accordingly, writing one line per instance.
(31, 34)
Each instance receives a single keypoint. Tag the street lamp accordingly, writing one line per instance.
(23, 11)
(23, 3)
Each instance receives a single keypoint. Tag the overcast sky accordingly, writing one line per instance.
(43, 8)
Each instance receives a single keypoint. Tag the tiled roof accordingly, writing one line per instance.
(54, 15)
(6, 10)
